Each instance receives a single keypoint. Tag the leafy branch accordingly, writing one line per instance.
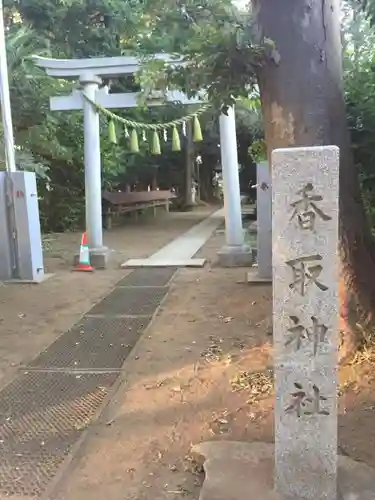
(221, 53)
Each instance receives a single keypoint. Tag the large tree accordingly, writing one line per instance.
(303, 105)
(293, 49)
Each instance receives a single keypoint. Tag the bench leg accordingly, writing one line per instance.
(154, 209)
(167, 206)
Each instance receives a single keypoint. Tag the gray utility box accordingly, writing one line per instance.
(21, 254)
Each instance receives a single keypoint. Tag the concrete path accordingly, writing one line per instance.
(180, 252)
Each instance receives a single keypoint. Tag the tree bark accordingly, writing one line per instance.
(303, 105)
(189, 166)
(206, 186)
(154, 181)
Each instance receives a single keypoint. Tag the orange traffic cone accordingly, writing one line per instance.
(84, 256)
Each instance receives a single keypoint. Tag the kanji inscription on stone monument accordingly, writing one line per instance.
(305, 320)
(306, 270)
(306, 208)
(306, 404)
(314, 335)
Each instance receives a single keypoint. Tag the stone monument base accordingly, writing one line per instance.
(254, 277)
(244, 471)
(98, 257)
(235, 256)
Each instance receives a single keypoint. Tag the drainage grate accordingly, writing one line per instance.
(41, 416)
(160, 276)
(130, 301)
(94, 343)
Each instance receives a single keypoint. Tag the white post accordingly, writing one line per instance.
(5, 100)
(236, 253)
(229, 163)
(93, 185)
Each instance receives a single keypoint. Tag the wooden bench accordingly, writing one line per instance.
(116, 204)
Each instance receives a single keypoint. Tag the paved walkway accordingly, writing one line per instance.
(180, 252)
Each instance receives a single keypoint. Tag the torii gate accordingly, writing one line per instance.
(89, 72)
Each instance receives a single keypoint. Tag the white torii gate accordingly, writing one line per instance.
(90, 72)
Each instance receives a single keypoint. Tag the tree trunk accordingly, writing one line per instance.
(189, 166)
(206, 187)
(303, 105)
(154, 182)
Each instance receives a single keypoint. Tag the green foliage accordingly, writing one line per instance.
(215, 40)
(359, 59)
(220, 46)
(222, 51)
(79, 28)
(258, 150)
(368, 6)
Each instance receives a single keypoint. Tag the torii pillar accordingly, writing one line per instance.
(235, 253)
(93, 176)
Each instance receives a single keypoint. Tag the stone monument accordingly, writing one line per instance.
(305, 320)
(303, 464)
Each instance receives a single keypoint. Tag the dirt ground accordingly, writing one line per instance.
(33, 316)
(202, 370)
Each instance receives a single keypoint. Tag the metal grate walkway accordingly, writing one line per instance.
(45, 410)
